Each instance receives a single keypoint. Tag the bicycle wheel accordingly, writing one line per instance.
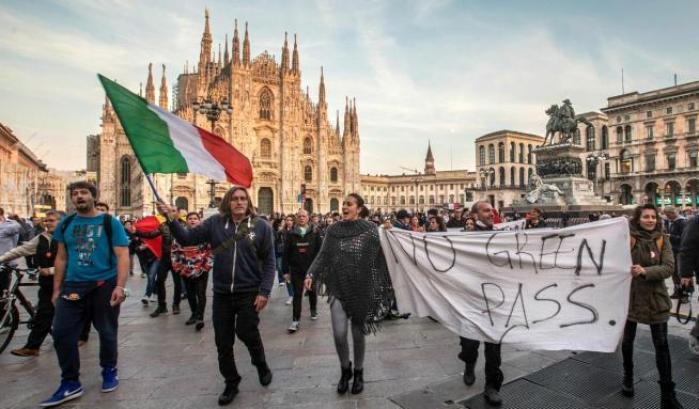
(8, 326)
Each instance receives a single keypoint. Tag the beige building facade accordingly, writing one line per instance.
(21, 174)
(419, 191)
(652, 147)
(504, 163)
(299, 158)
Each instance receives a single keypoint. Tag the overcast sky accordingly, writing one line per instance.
(445, 71)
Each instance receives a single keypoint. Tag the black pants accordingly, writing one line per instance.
(164, 267)
(41, 324)
(234, 314)
(196, 294)
(70, 317)
(297, 282)
(469, 354)
(662, 349)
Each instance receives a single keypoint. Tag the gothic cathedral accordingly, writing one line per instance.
(299, 159)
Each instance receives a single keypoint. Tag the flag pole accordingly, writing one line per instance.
(152, 186)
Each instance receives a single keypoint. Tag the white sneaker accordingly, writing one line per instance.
(293, 327)
(289, 300)
(314, 316)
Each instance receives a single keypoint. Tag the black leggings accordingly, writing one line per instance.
(662, 349)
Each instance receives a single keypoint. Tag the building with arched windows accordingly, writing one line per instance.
(503, 178)
(296, 153)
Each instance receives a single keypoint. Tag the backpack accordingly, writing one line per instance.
(106, 225)
(659, 242)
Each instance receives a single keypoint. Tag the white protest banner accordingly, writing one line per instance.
(513, 225)
(540, 289)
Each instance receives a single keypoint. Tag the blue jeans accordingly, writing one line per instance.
(77, 301)
(280, 275)
(152, 273)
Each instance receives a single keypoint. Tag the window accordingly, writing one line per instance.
(412, 188)
(605, 137)
(491, 154)
(627, 133)
(393, 201)
(266, 104)
(393, 188)
(691, 106)
(529, 154)
(513, 150)
(451, 198)
(333, 175)
(461, 198)
(619, 134)
(625, 164)
(649, 132)
(125, 182)
(521, 153)
(265, 148)
(431, 199)
(576, 137)
(649, 114)
(512, 175)
(451, 186)
(607, 170)
(671, 161)
(501, 173)
(421, 200)
(691, 125)
(412, 200)
(669, 129)
(501, 152)
(441, 187)
(693, 160)
(307, 146)
(421, 188)
(308, 173)
(521, 177)
(481, 155)
(590, 138)
(668, 110)
(650, 162)
(402, 188)
(402, 200)
(441, 198)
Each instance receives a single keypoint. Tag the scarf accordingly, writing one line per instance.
(645, 252)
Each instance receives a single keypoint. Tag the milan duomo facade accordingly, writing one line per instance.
(287, 137)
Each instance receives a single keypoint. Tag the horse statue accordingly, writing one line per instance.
(537, 187)
(562, 120)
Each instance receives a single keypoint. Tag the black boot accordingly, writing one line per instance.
(343, 384)
(228, 393)
(191, 320)
(469, 373)
(492, 396)
(264, 374)
(668, 400)
(160, 310)
(358, 384)
(627, 384)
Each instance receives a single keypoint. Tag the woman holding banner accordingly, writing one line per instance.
(352, 266)
(649, 302)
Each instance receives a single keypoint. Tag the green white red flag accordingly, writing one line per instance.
(165, 143)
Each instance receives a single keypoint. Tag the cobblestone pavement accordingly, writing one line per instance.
(165, 364)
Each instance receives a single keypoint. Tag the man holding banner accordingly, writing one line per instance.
(469, 347)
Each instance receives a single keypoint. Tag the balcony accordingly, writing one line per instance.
(656, 172)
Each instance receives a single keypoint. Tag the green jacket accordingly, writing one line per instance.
(649, 302)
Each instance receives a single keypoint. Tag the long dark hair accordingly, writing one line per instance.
(363, 211)
(225, 207)
(636, 218)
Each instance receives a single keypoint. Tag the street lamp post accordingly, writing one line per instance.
(417, 180)
(212, 109)
(594, 160)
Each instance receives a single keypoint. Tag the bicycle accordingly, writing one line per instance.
(11, 293)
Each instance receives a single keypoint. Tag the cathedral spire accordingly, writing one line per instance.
(337, 124)
(140, 89)
(150, 87)
(346, 130)
(226, 57)
(295, 58)
(285, 54)
(246, 46)
(236, 45)
(163, 101)
(321, 89)
(205, 53)
(219, 55)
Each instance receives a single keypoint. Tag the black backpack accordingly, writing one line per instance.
(106, 224)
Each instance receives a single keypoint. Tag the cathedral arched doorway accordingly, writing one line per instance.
(308, 205)
(673, 195)
(265, 200)
(335, 204)
(182, 203)
(692, 191)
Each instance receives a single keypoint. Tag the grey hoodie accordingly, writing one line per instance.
(9, 234)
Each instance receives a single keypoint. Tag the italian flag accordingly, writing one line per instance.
(165, 143)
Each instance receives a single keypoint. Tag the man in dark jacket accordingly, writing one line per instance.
(456, 220)
(689, 267)
(43, 250)
(674, 225)
(243, 275)
(469, 347)
(402, 220)
(302, 245)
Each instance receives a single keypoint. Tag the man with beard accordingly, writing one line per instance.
(469, 347)
(91, 268)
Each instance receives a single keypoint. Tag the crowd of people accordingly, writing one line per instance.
(84, 260)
